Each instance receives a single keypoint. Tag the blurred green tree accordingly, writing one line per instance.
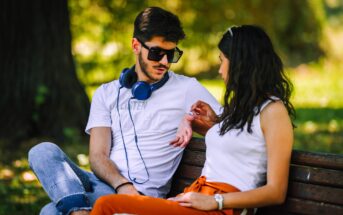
(102, 32)
(41, 94)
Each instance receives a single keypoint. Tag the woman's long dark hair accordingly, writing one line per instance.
(255, 75)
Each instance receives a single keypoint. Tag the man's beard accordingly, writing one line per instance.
(144, 66)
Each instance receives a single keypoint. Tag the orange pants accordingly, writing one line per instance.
(145, 205)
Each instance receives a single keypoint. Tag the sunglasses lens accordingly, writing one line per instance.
(175, 55)
(170, 56)
(156, 54)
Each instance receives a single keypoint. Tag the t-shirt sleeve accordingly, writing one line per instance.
(100, 115)
(196, 92)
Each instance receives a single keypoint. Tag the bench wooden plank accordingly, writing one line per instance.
(188, 171)
(316, 193)
(300, 206)
(194, 158)
(314, 175)
(325, 160)
(197, 144)
(311, 207)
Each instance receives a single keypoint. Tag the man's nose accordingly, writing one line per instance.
(164, 60)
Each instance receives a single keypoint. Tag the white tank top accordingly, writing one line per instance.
(237, 158)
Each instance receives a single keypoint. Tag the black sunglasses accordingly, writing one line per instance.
(157, 53)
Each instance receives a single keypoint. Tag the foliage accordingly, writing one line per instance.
(102, 32)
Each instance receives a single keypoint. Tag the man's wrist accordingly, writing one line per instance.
(122, 185)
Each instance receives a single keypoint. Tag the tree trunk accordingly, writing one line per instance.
(40, 92)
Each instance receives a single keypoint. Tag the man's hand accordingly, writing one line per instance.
(127, 189)
(196, 200)
(184, 132)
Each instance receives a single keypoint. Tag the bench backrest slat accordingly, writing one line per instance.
(315, 193)
(315, 175)
(325, 160)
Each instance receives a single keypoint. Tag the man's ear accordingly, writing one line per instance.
(136, 46)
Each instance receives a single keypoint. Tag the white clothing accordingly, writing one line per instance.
(237, 158)
(156, 121)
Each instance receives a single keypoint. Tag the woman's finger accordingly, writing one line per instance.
(184, 204)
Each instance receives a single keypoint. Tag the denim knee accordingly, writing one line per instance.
(42, 152)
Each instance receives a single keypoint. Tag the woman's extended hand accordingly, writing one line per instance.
(196, 200)
(184, 132)
(204, 117)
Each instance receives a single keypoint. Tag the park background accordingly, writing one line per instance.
(55, 53)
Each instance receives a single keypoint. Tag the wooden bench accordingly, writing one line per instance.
(315, 182)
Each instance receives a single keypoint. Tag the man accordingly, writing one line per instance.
(132, 122)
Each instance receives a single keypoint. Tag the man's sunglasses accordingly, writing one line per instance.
(157, 53)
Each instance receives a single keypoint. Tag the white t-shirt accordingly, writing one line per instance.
(156, 121)
(237, 158)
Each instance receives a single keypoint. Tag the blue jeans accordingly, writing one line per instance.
(69, 187)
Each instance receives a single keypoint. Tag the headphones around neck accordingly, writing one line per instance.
(140, 90)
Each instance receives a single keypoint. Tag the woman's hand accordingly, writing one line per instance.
(196, 200)
(204, 117)
(184, 132)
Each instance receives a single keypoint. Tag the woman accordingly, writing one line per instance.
(248, 146)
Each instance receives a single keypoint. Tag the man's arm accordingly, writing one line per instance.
(101, 164)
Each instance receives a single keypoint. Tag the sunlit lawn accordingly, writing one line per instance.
(319, 105)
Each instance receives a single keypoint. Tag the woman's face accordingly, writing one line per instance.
(224, 67)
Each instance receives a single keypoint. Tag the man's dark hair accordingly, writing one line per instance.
(154, 21)
(255, 76)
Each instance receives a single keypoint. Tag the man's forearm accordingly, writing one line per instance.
(107, 170)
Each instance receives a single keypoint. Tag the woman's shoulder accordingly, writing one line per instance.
(275, 112)
(273, 107)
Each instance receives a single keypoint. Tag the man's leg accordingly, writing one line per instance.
(99, 189)
(49, 209)
(69, 187)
